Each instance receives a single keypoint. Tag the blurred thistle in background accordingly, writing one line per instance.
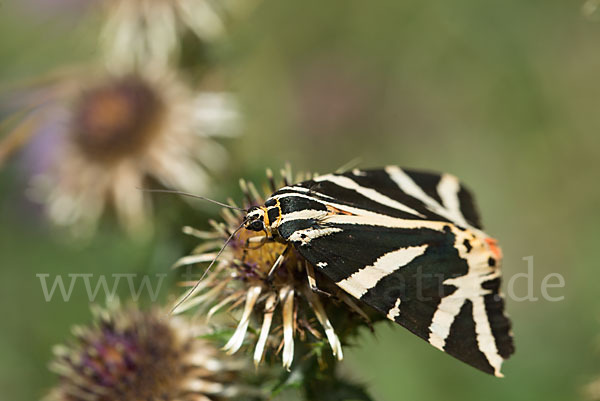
(129, 354)
(269, 288)
(97, 138)
(142, 33)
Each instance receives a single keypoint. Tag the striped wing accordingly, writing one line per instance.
(400, 193)
(409, 244)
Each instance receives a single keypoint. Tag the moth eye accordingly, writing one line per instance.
(255, 226)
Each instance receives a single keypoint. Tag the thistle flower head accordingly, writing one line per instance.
(267, 287)
(130, 354)
(102, 136)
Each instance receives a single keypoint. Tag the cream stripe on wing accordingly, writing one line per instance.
(384, 221)
(308, 234)
(344, 208)
(362, 214)
(444, 316)
(301, 190)
(468, 287)
(485, 338)
(395, 311)
(407, 185)
(305, 214)
(366, 278)
(448, 189)
(369, 193)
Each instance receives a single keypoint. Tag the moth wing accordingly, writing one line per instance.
(426, 279)
(402, 193)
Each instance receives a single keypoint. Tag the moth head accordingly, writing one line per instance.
(255, 219)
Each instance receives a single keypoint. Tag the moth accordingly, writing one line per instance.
(407, 243)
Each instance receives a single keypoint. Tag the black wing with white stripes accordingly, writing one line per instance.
(410, 245)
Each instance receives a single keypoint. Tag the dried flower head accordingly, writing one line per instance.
(268, 288)
(96, 139)
(147, 32)
(129, 354)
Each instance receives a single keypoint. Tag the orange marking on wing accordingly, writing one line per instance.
(335, 210)
(493, 244)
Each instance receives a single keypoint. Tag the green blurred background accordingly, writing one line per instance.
(505, 95)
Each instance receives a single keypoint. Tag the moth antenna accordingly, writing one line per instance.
(171, 191)
(191, 290)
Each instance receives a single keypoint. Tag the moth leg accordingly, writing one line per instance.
(312, 281)
(278, 262)
(258, 240)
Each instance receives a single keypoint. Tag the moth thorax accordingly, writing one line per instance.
(272, 213)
